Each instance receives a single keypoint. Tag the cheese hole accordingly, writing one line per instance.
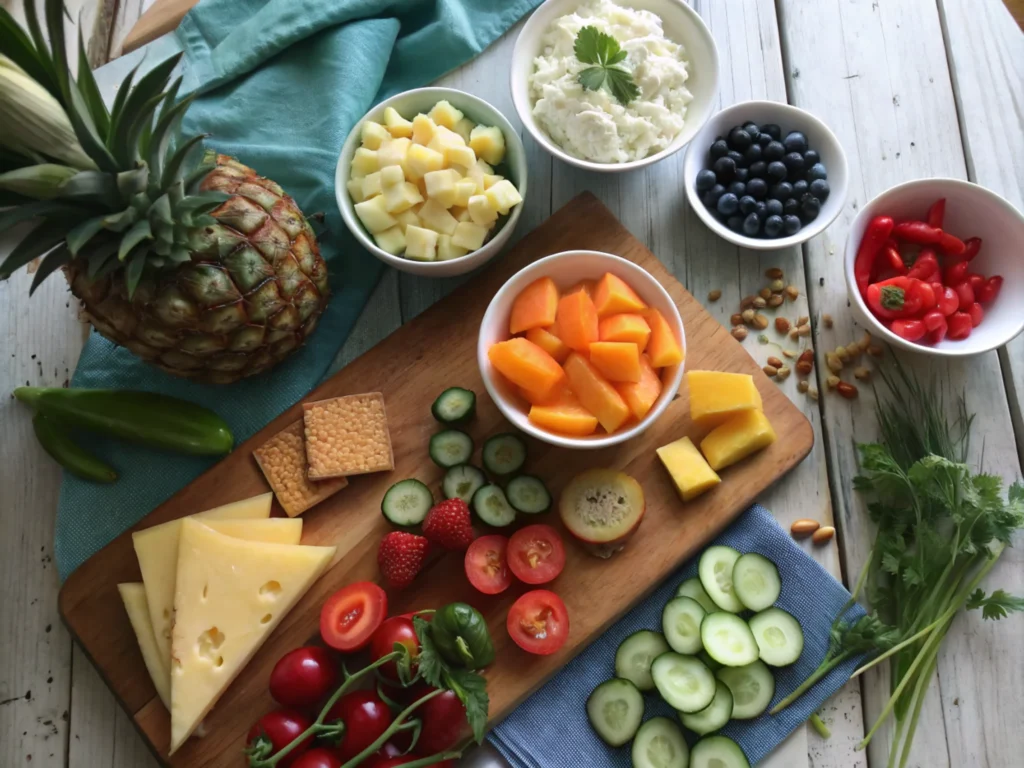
(219, 662)
(206, 590)
(270, 590)
(266, 619)
(208, 643)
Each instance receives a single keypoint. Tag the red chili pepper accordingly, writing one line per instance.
(875, 235)
(956, 273)
(937, 213)
(917, 232)
(890, 256)
(959, 325)
(977, 314)
(965, 294)
(909, 328)
(975, 280)
(934, 337)
(988, 292)
(898, 297)
(948, 301)
(926, 267)
(951, 245)
(971, 247)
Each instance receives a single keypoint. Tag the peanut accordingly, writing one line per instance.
(773, 273)
(847, 390)
(747, 315)
(794, 333)
(781, 325)
(792, 292)
(861, 373)
(714, 295)
(804, 368)
(760, 321)
(765, 293)
(803, 320)
(843, 353)
(774, 362)
(826, 320)
(770, 371)
(875, 350)
(760, 303)
(803, 330)
(832, 381)
(812, 392)
(802, 385)
(784, 372)
(790, 353)
(775, 301)
(746, 301)
(833, 362)
(736, 318)
(823, 535)
(777, 286)
(801, 529)
(739, 332)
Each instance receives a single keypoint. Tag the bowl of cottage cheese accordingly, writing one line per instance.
(613, 85)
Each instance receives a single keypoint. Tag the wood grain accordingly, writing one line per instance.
(161, 17)
(410, 367)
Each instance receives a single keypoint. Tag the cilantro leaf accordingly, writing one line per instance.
(603, 51)
(595, 47)
(995, 606)
(471, 689)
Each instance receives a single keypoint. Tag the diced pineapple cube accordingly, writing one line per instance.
(464, 157)
(371, 185)
(504, 196)
(490, 179)
(408, 218)
(464, 128)
(364, 161)
(374, 215)
(391, 175)
(393, 152)
(423, 129)
(355, 190)
(469, 235)
(374, 134)
(446, 250)
(421, 185)
(488, 142)
(464, 189)
(397, 125)
(483, 166)
(441, 186)
(445, 114)
(420, 244)
(476, 175)
(460, 213)
(445, 139)
(421, 160)
(401, 197)
(436, 217)
(482, 211)
(743, 434)
(391, 240)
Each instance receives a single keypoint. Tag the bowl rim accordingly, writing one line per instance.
(665, 399)
(347, 208)
(851, 283)
(521, 97)
(819, 225)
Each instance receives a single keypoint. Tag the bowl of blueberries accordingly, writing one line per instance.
(765, 175)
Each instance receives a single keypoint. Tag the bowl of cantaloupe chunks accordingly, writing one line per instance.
(431, 181)
(582, 349)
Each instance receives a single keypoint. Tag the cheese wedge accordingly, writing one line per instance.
(230, 595)
(134, 597)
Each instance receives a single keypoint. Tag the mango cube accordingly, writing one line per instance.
(373, 134)
(391, 175)
(715, 396)
(401, 197)
(397, 125)
(482, 211)
(441, 186)
(488, 142)
(374, 215)
(445, 114)
(469, 235)
(391, 240)
(689, 471)
(464, 128)
(464, 157)
(445, 139)
(446, 250)
(420, 244)
(742, 435)
(423, 129)
(408, 218)
(371, 185)
(503, 196)
(421, 160)
(464, 189)
(364, 161)
(393, 152)
(435, 216)
(355, 190)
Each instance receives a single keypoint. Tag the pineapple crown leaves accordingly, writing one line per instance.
(125, 199)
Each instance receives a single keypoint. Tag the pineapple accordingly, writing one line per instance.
(199, 266)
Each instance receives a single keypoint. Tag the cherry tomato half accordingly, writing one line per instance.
(538, 622)
(318, 758)
(281, 727)
(366, 717)
(444, 724)
(397, 629)
(304, 677)
(352, 614)
(536, 554)
(959, 325)
(487, 564)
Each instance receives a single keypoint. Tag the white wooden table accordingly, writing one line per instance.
(912, 88)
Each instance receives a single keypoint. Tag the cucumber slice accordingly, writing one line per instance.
(713, 716)
(693, 588)
(454, 406)
(615, 709)
(407, 502)
(752, 688)
(462, 481)
(451, 447)
(779, 637)
(756, 582)
(718, 752)
(504, 454)
(528, 494)
(728, 640)
(715, 571)
(492, 507)
(635, 655)
(710, 663)
(680, 621)
(683, 681)
(659, 744)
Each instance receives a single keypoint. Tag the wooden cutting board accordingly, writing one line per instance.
(411, 367)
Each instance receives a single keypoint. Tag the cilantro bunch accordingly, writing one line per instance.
(603, 51)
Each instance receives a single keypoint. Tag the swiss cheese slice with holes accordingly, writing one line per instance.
(229, 596)
(135, 604)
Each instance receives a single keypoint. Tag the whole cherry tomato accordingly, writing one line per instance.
(391, 762)
(959, 325)
(938, 334)
(965, 294)
(444, 724)
(948, 301)
(280, 728)
(933, 319)
(955, 273)
(909, 329)
(990, 290)
(977, 314)
(304, 677)
(318, 758)
(366, 717)
(976, 280)
(397, 629)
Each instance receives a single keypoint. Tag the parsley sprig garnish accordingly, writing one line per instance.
(603, 51)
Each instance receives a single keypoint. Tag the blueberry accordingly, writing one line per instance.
(799, 188)
(735, 223)
(739, 139)
(781, 191)
(753, 130)
(757, 188)
(753, 153)
(809, 208)
(761, 210)
(794, 162)
(747, 205)
(791, 224)
(758, 169)
(777, 171)
(719, 149)
(816, 171)
(775, 207)
(811, 157)
(773, 226)
(764, 140)
(751, 225)
(820, 189)
(791, 207)
(710, 198)
(742, 174)
(725, 169)
(774, 151)
(706, 179)
(795, 141)
(772, 130)
(738, 188)
(728, 204)
(738, 158)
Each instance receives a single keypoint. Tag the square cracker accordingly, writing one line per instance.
(347, 436)
(283, 461)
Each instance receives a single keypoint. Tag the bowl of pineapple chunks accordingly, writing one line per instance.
(432, 181)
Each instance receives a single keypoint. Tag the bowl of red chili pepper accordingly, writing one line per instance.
(937, 266)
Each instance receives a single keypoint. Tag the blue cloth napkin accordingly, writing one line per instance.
(546, 732)
(283, 82)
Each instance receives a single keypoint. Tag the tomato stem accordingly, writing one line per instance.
(392, 729)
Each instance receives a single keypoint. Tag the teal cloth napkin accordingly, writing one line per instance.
(282, 84)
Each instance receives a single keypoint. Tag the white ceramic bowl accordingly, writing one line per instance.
(409, 104)
(971, 211)
(789, 118)
(680, 23)
(567, 269)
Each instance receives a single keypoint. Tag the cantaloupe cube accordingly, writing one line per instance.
(503, 195)
(443, 113)
(596, 393)
(364, 161)
(482, 211)
(460, 213)
(560, 395)
(490, 179)
(421, 160)
(534, 307)
(690, 473)
(464, 189)
(576, 319)
(391, 175)
(397, 125)
(625, 327)
(371, 185)
(393, 152)
(742, 435)
(436, 217)
(716, 396)
(464, 128)
(587, 286)
(488, 142)
(374, 215)
(355, 189)
(550, 343)
(441, 186)
(463, 157)
(446, 250)
(613, 296)
(420, 244)
(526, 365)
(571, 420)
(401, 197)
(391, 240)
(408, 218)
(445, 139)
(663, 347)
(641, 395)
(616, 360)
(468, 235)
(373, 134)
(423, 129)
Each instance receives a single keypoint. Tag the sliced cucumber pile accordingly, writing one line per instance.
(492, 507)
(528, 495)
(504, 454)
(451, 447)
(715, 571)
(714, 716)
(636, 654)
(756, 582)
(407, 502)
(683, 681)
(752, 688)
(718, 752)
(727, 639)
(779, 639)
(693, 588)
(660, 744)
(462, 481)
(454, 406)
(680, 621)
(615, 709)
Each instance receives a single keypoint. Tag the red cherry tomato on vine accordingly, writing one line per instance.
(352, 614)
(948, 301)
(397, 629)
(536, 554)
(487, 564)
(965, 295)
(959, 325)
(444, 724)
(318, 758)
(909, 329)
(538, 622)
(366, 717)
(280, 728)
(977, 314)
(304, 677)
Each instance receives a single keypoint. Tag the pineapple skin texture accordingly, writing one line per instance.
(252, 294)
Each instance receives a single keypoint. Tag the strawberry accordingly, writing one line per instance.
(401, 557)
(447, 525)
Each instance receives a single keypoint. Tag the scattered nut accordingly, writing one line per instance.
(747, 315)
(823, 535)
(794, 333)
(774, 362)
(736, 318)
(760, 303)
(801, 529)
(832, 381)
(842, 353)
(847, 390)
(875, 350)
(784, 372)
(812, 392)
(861, 373)
(746, 301)
(770, 371)
(714, 295)
(866, 340)
(781, 325)
(777, 286)
(804, 329)
(739, 332)
(776, 300)
(790, 353)
(807, 356)
(765, 293)
(773, 273)
(760, 321)
(804, 367)
(834, 363)
(826, 320)
(792, 292)
(802, 385)
(803, 320)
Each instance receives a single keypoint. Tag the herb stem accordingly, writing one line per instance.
(395, 726)
(826, 666)
(819, 726)
(896, 649)
(920, 691)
